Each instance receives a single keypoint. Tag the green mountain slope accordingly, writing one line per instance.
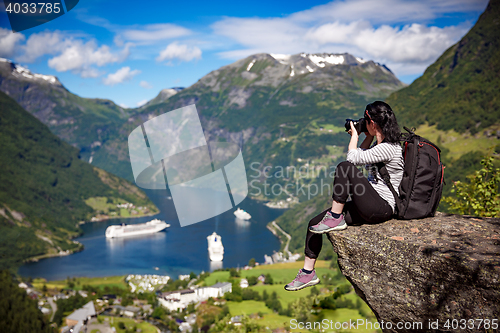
(460, 91)
(83, 122)
(44, 187)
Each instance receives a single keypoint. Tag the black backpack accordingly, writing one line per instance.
(423, 178)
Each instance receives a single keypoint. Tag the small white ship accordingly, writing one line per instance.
(242, 215)
(215, 248)
(125, 230)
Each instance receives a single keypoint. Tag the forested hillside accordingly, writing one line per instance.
(45, 188)
(460, 91)
(18, 312)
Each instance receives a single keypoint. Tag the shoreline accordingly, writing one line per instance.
(61, 253)
(80, 247)
(103, 218)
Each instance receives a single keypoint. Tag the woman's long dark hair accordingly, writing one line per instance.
(382, 114)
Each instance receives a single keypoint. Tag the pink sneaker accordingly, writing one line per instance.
(303, 280)
(328, 223)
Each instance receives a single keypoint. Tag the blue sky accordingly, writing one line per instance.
(127, 51)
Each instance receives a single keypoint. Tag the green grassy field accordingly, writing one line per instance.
(247, 308)
(284, 296)
(327, 127)
(340, 316)
(100, 282)
(219, 276)
(269, 319)
(273, 320)
(129, 323)
(282, 273)
(459, 144)
(286, 272)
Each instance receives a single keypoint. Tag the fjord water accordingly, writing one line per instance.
(173, 251)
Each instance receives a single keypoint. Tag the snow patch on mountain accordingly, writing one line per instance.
(250, 65)
(282, 58)
(320, 61)
(24, 72)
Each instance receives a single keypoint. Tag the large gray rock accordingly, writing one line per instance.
(422, 271)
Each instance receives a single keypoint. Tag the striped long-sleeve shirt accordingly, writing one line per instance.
(389, 153)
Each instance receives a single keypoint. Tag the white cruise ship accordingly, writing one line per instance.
(125, 230)
(242, 215)
(215, 248)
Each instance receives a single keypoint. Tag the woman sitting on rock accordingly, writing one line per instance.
(371, 199)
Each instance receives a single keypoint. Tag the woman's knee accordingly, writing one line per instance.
(345, 165)
(347, 170)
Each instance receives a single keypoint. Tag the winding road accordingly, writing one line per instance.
(286, 235)
(53, 305)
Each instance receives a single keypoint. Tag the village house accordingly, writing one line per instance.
(244, 283)
(217, 290)
(180, 299)
(131, 311)
(79, 317)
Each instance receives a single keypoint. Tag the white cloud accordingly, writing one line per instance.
(70, 53)
(80, 57)
(123, 105)
(42, 43)
(152, 33)
(145, 84)
(386, 11)
(409, 43)
(8, 42)
(141, 103)
(121, 75)
(179, 51)
(394, 32)
(413, 43)
(276, 34)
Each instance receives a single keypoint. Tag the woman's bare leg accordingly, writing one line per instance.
(337, 207)
(309, 263)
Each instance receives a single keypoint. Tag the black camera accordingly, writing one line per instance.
(359, 125)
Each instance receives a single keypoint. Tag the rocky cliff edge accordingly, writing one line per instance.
(443, 270)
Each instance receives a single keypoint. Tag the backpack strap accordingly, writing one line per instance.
(387, 179)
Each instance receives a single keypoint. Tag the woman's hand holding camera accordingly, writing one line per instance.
(353, 144)
(352, 130)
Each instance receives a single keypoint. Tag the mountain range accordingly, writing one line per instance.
(284, 110)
